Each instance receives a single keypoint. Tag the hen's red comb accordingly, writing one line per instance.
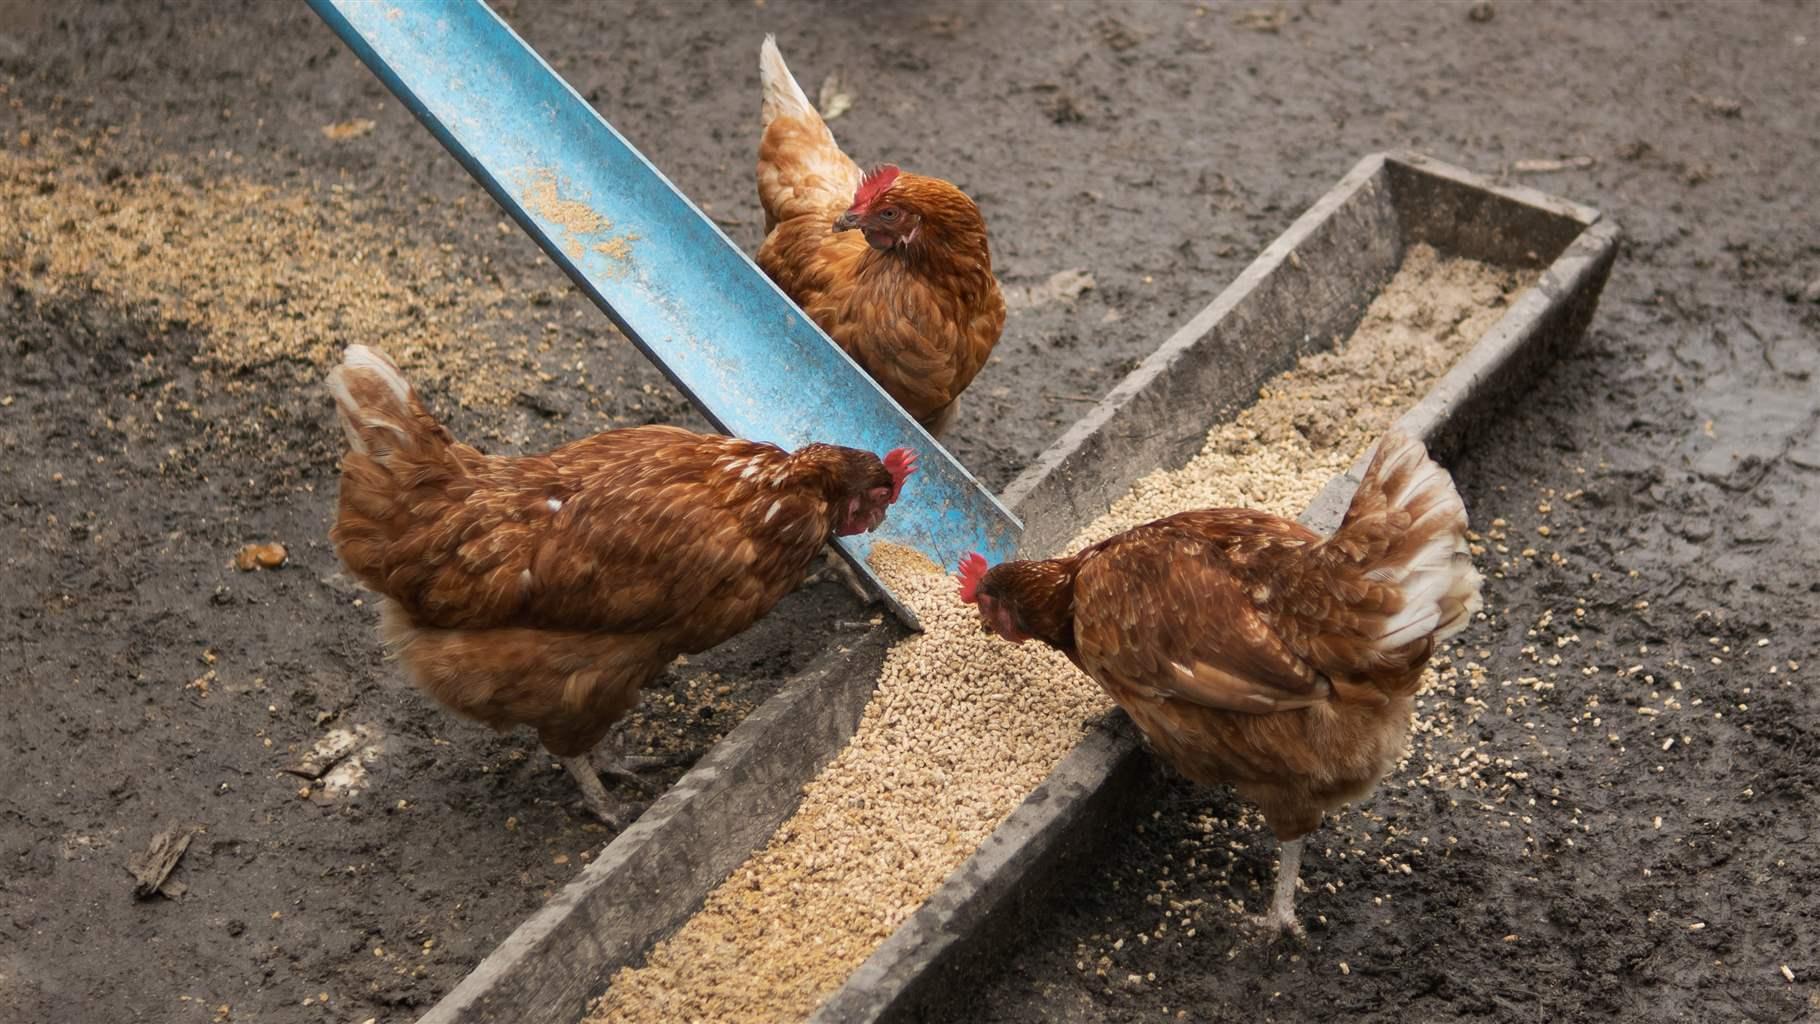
(874, 185)
(900, 463)
(972, 571)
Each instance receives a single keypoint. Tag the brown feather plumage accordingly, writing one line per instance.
(1251, 651)
(922, 315)
(546, 590)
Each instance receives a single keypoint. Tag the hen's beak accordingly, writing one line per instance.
(846, 221)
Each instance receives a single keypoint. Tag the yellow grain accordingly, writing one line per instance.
(265, 275)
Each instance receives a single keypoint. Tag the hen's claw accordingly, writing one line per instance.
(614, 820)
(625, 776)
(594, 795)
(1271, 928)
(625, 769)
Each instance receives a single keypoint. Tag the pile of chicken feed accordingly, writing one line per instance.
(963, 725)
(282, 275)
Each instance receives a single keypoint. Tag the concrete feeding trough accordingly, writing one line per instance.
(1309, 287)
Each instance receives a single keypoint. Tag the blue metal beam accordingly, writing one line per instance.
(672, 282)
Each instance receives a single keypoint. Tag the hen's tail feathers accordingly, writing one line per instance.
(801, 169)
(783, 96)
(379, 410)
(1408, 514)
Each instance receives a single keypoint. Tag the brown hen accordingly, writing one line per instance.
(1250, 650)
(546, 590)
(894, 266)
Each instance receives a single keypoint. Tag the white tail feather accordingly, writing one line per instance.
(360, 357)
(386, 408)
(783, 96)
(344, 401)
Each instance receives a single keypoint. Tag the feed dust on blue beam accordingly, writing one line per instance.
(666, 275)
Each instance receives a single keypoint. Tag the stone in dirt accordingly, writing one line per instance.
(251, 557)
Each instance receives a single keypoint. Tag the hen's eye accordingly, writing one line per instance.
(888, 214)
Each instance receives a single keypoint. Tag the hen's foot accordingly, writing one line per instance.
(1271, 928)
(1281, 921)
(837, 566)
(594, 796)
(626, 769)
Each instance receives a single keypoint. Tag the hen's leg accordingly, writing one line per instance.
(1281, 918)
(938, 422)
(1289, 868)
(593, 793)
(621, 767)
(843, 572)
(850, 577)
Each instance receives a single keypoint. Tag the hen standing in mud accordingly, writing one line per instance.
(894, 266)
(1252, 651)
(547, 590)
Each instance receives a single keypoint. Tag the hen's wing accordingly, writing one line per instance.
(1160, 612)
(620, 533)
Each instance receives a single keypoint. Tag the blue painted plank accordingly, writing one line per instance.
(753, 363)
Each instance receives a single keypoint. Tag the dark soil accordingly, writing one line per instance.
(1604, 873)
(1156, 146)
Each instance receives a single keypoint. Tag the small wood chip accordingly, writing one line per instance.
(342, 131)
(835, 98)
(1572, 163)
(152, 868)
(329, 751)
(1267, 20)
(1724, 106)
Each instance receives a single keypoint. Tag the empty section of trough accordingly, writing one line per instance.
(1307, 291)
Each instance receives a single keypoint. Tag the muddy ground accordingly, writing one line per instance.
(147, 431)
